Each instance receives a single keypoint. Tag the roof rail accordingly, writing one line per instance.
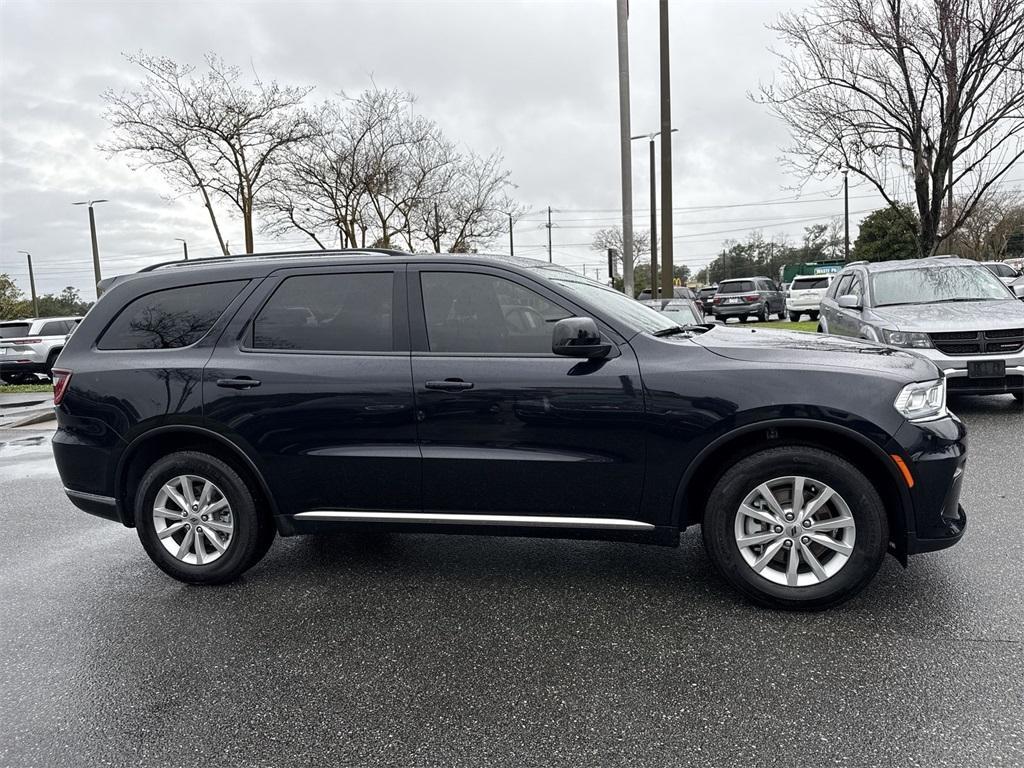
(856, 263)
(271, 254)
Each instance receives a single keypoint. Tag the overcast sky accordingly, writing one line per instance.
(537, 80)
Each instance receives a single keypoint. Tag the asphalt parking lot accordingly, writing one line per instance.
(466, 651)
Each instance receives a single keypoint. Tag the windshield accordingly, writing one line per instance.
(809, 283)
(927, 285)
(740, 286)
(684, 315)
(13, 330)
(612, 303)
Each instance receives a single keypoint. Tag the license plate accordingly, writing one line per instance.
(986, 369)
(732, 301)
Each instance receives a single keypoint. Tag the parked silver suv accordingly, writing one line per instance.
(952, 311)
(31, 346)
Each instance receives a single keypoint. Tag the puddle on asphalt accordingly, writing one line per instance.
(21, 445)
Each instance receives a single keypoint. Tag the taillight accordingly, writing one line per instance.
(716, 300)
(751, 298)
(61, 379)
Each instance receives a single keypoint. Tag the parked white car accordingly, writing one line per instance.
(805, 295)
(1003, 271)
(31, 346)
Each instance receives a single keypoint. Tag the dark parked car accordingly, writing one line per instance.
(748, 297)
(706, 297)
(683, 311)
(216, 403)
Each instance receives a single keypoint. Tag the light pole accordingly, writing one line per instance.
(184, 246)
(32, 284)
(846, 212)
(95, 246)
(666, 152)
(626, 158)
(655, 291)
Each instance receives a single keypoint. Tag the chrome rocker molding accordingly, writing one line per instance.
(526, 521)
(106, 500)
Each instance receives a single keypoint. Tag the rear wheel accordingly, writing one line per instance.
(766, 313)
(1019, 396)
(794, 317)
(796, 527)
(51, 359)
(14, 378)
(744, 318)
(813, 315)
(197, 519)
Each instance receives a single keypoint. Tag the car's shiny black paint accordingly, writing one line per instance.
(627, 436)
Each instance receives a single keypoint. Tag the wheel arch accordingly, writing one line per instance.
(704, 471)
(147, 447)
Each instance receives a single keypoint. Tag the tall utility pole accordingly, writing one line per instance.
(32, 284)
(184, 246)
(655, 290)
(511, 243)
(846, 213)
(437, 228)
(666, 155)
(549, 234)
(622, 25)
(95, 246)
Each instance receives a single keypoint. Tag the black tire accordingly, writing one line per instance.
(813, 316)
(51, 359)
(253, 528)
(14, 378)
(1019, 396)
(744, 318)
(794, 317)
(766, 314)
(869, 547)
(821, 328)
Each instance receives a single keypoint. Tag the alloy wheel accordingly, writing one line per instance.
(193, 519)
(795, 531)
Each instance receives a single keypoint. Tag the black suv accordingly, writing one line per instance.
(213, 404)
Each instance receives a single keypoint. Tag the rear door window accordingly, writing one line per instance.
(169, 319)
(809, 283)
(343, 312)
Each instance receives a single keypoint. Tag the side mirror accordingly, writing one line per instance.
(1018, 291)
(849, 301)
(578, 337)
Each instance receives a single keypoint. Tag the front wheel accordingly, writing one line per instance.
(198, 521)
(796, 527)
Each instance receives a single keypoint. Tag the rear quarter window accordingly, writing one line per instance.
(169, 319)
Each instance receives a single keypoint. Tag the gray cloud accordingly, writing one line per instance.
(536, 80)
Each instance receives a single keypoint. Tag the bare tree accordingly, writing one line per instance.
(611, 237)
(985, 233)
(209, 132)
(917, 97)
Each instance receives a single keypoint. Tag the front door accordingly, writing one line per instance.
(505, 426)
(312, 376)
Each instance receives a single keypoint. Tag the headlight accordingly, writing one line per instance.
(923, 401)
(906, 339)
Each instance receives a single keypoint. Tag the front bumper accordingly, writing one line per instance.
(936, 455)
(955, 368)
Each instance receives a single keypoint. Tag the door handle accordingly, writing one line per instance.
(242, 382)
(450, 385)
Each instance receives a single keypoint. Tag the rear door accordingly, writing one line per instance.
(313, 377)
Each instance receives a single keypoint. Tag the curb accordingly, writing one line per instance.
(33, 418)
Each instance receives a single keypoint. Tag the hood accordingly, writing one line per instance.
(811, 349)
(954, 316)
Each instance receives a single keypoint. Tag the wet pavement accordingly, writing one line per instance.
(421, 650)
